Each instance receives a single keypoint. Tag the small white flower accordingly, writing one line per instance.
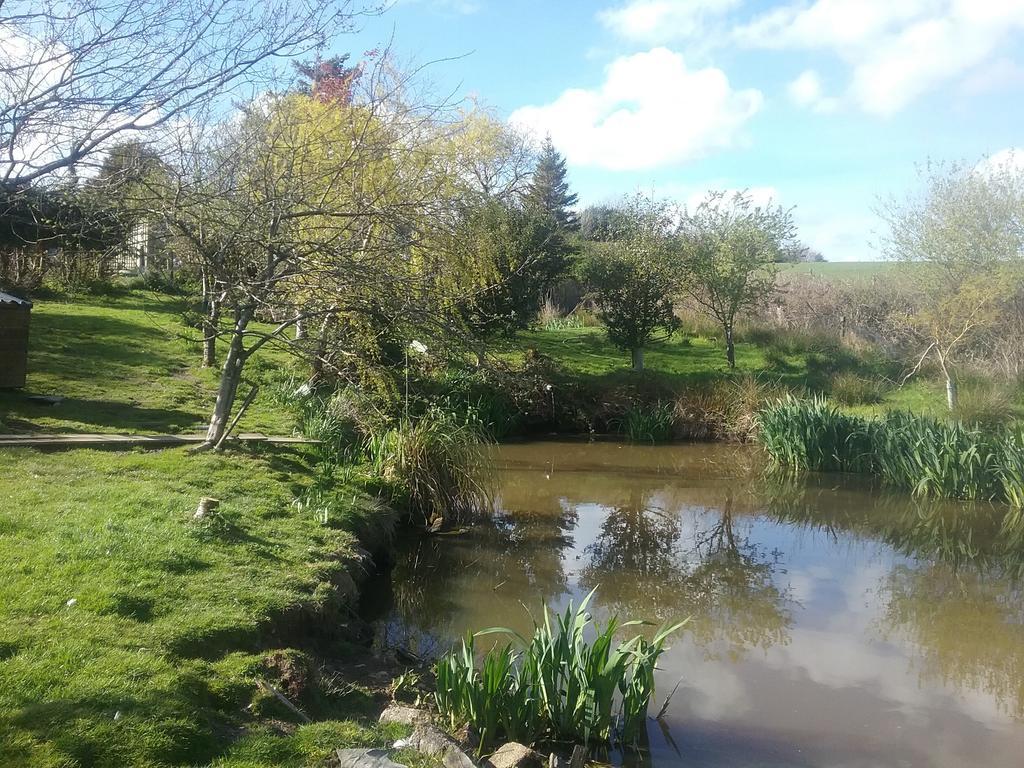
(71, 603)
(547, 387)
(418, 346)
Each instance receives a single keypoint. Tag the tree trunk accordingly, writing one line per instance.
(730, 348)
(210, 328)
(230, 378)
(638, 358)
(952, 397)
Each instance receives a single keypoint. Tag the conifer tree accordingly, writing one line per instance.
(549, 190)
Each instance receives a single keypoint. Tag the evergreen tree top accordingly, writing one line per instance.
(549, 189)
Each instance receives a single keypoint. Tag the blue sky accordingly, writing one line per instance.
(824, 105)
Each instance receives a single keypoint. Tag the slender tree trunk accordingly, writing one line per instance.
(320, 353)
(210, 327)
(730, 347)
(637, 354)
(952, 396)
(230, 378)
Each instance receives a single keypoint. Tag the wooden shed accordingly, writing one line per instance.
(14, 314)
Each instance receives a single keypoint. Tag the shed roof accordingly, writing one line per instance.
(6, 298)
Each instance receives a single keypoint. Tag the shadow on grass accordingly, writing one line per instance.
(106, 414)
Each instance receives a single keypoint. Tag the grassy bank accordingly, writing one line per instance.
(133, 634)
(123, 363)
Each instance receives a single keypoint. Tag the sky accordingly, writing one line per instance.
(826, 106)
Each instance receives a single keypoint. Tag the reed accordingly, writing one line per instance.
(814, 435)
(649, 423)
(557, 686)
(930, 457)
(440, 465)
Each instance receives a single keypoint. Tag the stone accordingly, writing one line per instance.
(363, 758)
(399, 713)
(433, 742)
(516, 755)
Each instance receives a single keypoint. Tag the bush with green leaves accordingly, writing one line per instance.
(571, 681)
(649, 422)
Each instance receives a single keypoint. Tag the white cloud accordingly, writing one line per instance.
(650, 111)
(659, 21)
(1009, 160)
(897, 50)
(807, 91)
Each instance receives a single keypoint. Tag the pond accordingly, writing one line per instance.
(832, 623)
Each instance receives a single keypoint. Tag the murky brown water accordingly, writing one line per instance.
(833, 625)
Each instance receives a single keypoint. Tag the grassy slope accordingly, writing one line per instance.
(689, 359)
(172, 620)
(841, 270)
(124, 366)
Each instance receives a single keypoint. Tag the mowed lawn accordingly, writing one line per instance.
(689, 359)
(133, 635)
(123, 364)
(130, 633)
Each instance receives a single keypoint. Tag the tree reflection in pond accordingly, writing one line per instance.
(670, 563)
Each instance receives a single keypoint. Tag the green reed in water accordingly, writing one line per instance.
(438, 462)
(930, 457)
(652, 423)
(557, 686)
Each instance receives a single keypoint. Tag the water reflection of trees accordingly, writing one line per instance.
(960, 535)
(438, 582)
(961, 604)
(968, 627)
(669, 563)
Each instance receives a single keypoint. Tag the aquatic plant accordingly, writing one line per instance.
(439, 464)
(558, 685)
(814, 435)
(930, 457)
(649, 423)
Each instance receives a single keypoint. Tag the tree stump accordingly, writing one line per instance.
(207, 506)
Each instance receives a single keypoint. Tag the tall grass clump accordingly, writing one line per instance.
(930, 457)
(937, 458)
(814, 435)
(850, 389)
(649, 422)
(439, 465)
(1011, 467)
(557, 686)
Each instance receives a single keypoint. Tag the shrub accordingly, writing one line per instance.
(985, 403)
(559, 685)
(438, 464)
(851, 389)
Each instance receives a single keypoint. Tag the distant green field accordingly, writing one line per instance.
(841, 270)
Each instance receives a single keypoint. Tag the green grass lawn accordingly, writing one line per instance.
(130, 634)
(133, 635)
(123, 364)
(692, 360)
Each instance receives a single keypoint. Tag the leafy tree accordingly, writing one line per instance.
(517, 252)
(632, 279)
(602, 223)
(729, 247)
(962, 237)
(548, 190)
